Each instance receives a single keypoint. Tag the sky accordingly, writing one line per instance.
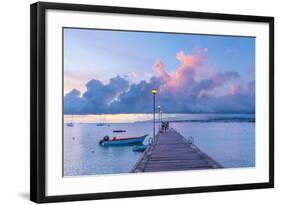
(109, 71)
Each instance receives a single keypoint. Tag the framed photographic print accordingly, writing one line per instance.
(129, 102)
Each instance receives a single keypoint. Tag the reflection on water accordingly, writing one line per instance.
(84, 156)
(232, 144)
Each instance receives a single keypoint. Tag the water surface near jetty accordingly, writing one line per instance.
(227, 138)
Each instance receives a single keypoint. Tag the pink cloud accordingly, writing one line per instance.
(159, 67)
(179, 91)
(133, 74)
(185, 74)
(234, 89)
(73, 80)
(189, 79)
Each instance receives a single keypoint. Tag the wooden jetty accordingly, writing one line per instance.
(170, 151)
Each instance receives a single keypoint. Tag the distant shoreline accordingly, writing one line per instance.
(178, 121)
(250, 120)
(173, 118)
(174, 113)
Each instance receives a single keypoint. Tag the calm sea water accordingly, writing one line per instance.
(229, 139)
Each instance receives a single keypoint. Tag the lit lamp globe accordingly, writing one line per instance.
(153, 91)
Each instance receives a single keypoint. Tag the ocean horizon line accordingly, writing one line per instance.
(148, 118)
(186, 113)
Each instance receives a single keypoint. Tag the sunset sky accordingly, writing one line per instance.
(114, 71)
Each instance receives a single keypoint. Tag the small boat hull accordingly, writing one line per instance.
(124, 141)
(116, 131)
(102, 124)
(70, 124)
(140, 148)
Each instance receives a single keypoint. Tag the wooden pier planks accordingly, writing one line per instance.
(170, 151)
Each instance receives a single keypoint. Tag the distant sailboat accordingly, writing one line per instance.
(103, 123)
(70, 124)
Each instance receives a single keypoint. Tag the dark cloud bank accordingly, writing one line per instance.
(136, 98)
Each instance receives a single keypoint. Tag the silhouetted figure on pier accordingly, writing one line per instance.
(164, 127)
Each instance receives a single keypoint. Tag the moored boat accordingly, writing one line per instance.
(70, 124)
(103, 123)
(139, 148)
(106, 141)
(119, 131)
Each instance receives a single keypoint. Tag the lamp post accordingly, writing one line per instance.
(159, 121)
(154, 92)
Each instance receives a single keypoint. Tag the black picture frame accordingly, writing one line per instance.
(38, 101)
